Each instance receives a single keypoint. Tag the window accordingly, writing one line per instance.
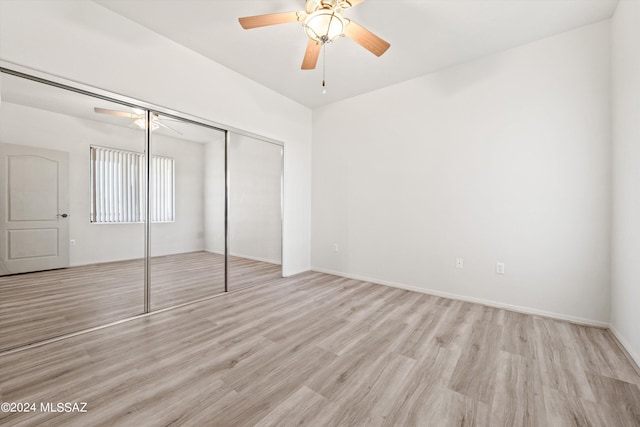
(118, 187)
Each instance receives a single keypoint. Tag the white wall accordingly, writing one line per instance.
(625, 296)
(97, 243)
(506, 158)
(85, 42)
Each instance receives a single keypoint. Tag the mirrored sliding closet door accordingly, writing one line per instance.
(72, 226)
(255, 211)
(187, 211)
(109, 210)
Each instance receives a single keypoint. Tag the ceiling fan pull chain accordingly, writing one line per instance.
(324, 66)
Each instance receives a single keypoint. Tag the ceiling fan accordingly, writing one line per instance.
(138, 118)
(323, 23)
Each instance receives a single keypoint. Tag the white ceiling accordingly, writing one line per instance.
(425, 36)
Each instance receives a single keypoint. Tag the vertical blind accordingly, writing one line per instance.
(162, 179)
(118, 186)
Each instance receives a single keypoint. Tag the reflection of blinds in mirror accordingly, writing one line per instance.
(162, 179)
(118, 186)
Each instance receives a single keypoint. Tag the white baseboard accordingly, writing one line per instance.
(489, 303)
(627, 347)
(107, 261)
(253, 258)
(269, 261)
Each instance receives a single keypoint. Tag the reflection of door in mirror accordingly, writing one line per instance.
(34, 201)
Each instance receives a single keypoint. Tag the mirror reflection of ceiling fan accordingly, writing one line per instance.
(138, 118)
(323, 23)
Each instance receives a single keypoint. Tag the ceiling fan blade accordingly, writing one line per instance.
(249, 22)
(366, 38)
(311, 55)
(116, 113)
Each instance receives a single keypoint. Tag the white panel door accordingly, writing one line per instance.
(34, 204)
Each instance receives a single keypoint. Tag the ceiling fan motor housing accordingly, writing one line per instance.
(336, 5)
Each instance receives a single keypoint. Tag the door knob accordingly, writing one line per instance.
(63, 215)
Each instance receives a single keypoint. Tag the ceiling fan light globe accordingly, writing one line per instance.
(324, 25)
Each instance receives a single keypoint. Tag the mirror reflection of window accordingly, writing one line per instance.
(118, 186)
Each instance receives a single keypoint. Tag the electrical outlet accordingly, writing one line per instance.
(500, 267)
(459, 263)
(72, 242)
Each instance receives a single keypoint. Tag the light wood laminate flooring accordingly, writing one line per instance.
(46, 304)
(320, 350)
